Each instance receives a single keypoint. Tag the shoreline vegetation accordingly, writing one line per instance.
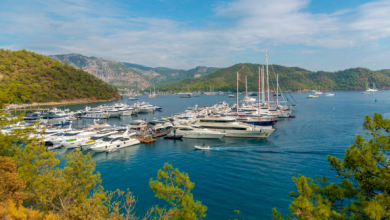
(28, 106)
(290, 79)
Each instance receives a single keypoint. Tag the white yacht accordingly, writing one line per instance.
(87, 144)
(113, 113)
(115, 142)
(197, 132)
(231, 128)
(312, 96)
(329, 94)
(95, 114)
(146, 109)
(75, 141)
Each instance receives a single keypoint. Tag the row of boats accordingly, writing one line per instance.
(63, 117)
(213, 122)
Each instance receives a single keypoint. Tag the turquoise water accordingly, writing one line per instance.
(252, 176)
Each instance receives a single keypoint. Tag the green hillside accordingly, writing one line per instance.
(27, 77)
(290, 78)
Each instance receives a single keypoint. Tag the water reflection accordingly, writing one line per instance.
(121, 154)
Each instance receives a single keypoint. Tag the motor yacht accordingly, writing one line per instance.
(114, 142)
(197, 132)
(97, 114)
(97, 138)
(231, 128)
(75, 141)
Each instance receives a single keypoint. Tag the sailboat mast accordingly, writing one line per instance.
(258, 93)
(262, 86)
(237, 97)
(277, 89)
(246, 86)
(266, 60)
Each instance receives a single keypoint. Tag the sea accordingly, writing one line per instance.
(249, 175)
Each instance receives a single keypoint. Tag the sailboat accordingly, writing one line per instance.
(152, 95)
(374, 89)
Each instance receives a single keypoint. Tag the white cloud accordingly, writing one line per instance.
(101, 29)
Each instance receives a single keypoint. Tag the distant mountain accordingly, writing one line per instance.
(290, 78)
(30, 77)
(129, 74)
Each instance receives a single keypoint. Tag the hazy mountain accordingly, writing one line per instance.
(129, 74)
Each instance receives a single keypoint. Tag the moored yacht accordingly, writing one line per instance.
(232, 128)
(114, 142)
(75, 141)
(87, 144)
(197, 132)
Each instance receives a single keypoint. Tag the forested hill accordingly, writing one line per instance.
(290, 78)
(27, 77)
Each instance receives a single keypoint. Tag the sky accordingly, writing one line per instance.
(317, 35)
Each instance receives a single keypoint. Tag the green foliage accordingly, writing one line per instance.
(290, 78)
(175, 187)
(364, 188)
(33, 186)
(27, 77)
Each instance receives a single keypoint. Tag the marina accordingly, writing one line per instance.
(269, 163)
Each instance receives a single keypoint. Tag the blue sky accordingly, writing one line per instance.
(314, 34)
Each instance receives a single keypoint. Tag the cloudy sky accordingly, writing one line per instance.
(314, 34)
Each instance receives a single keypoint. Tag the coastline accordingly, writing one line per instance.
(64, 102)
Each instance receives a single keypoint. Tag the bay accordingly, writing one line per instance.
(252, 176)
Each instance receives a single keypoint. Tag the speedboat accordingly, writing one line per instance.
(202, 147)
(132, 98)
(197, 132)
(329, 94)
(312, 96)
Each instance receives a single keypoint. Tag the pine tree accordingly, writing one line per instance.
(363, 191)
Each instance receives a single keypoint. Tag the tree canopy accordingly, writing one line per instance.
(27, 77)
(34, 186)
(363, 191)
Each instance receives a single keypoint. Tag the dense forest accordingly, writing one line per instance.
(27, 77)
(290, 78)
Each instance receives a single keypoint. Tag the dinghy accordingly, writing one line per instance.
(203, 147)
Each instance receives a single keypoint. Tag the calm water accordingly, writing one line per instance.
(252, 176)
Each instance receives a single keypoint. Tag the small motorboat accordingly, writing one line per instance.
(202, 147)
(174, 137)
(312, 96)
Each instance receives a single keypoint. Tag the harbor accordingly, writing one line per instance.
(254, 169)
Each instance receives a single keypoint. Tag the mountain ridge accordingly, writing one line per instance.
(129, 74)
(290, 78)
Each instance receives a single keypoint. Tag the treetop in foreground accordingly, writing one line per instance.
(363, 191)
